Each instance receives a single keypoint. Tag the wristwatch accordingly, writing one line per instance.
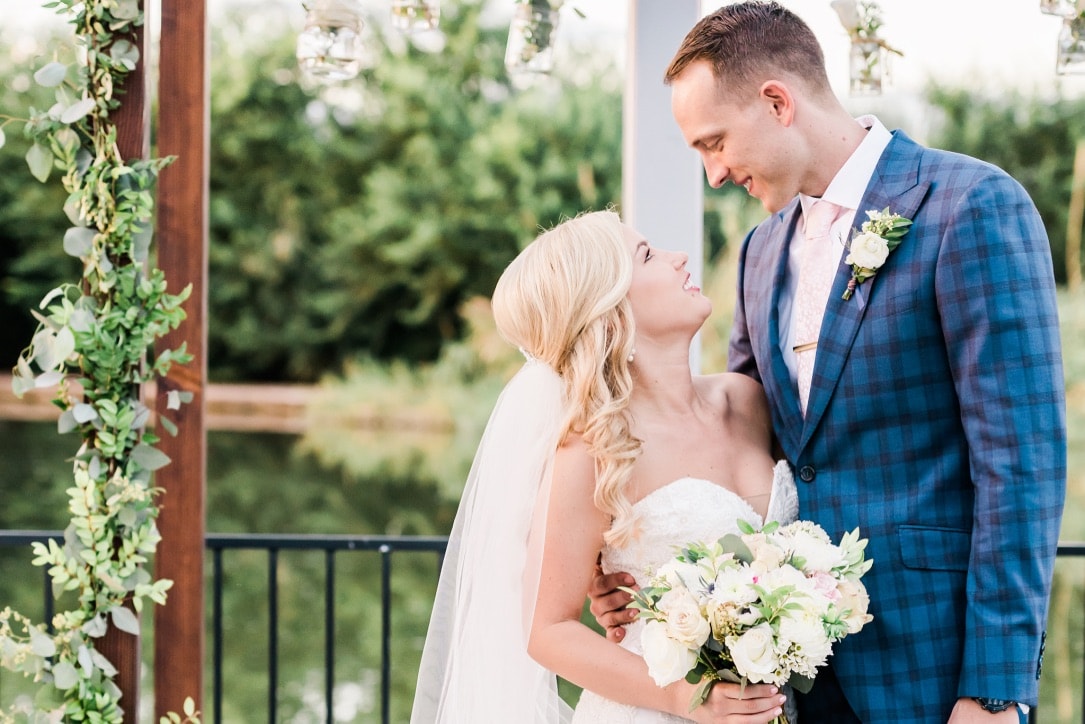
(996, 706)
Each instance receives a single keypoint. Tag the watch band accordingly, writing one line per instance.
(996, 706)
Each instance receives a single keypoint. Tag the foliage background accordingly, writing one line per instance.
(355, 235)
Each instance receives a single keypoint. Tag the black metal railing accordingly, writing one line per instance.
(384, 546)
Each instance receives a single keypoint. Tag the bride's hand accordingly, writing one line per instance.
(608, 604)
(756, 704)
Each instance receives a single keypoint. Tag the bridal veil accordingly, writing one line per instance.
(475, 668)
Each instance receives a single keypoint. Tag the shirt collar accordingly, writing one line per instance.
(850, 183)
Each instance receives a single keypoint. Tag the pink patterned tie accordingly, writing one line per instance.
(812, 293)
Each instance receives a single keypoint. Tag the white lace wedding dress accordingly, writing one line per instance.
(680, 512)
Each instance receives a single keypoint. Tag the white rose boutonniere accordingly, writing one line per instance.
(869, 248)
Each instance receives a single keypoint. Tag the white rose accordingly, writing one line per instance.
(766, 553)
(868, 251)
(805, 632)
(668, 660)
(855, 600)
(685, 623)
(754, 654)
(817, 554)
(784, 576)
(679, 574)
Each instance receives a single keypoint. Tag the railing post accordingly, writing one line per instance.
(386, 631)
(329, 633)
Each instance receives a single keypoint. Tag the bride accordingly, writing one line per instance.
(603, 448)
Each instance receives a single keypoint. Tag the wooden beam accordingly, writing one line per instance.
(183, 131)
(1075, 218)
(132, 119)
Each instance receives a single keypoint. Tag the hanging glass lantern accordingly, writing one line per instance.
(530, 46)
(414, 16)
(330, 48)
(866, 67)
(1071, 52)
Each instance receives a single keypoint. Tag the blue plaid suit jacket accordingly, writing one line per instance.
(936, 424)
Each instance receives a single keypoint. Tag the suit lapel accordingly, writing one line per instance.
(781, 393)
(894, 186)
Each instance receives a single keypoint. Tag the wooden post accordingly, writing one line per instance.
(183, 123)
(1075, 220)
(132, 119)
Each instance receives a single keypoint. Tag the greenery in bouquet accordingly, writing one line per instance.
(763, 606)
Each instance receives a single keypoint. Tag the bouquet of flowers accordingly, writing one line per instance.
(763, 607)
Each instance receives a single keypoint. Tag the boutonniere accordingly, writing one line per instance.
(869, 248)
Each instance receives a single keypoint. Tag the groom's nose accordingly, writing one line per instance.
(715, 171)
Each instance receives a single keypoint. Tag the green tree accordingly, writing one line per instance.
(1031, 139)
(356, 220)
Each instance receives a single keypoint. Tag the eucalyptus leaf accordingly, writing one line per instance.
(173, 400)
(78, 241)
(41, 643)
(40, 160)
(142, 416)
(103, 663)
(149, 458)
(125, 620)
(20, 385)
(84, 658)
(77, 110)
(96, 627)
(94, 466)
(732, 543)
(83, 412)
(63, 344)
(44, 346)
(50, 75)
(81, 320)
(48, 379)
(67, 139)
(141, 245)
(53, 294)
(169, 425)
(65, 676)
(66, 422)
(124, 52)
(73, 212)
(126, 10)
(800, 683)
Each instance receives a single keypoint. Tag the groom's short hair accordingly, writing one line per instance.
(748, 42)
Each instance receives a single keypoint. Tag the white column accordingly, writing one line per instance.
(662, 178)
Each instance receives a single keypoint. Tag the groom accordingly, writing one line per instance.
(929, 409)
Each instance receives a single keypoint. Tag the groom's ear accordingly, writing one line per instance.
(779, 100)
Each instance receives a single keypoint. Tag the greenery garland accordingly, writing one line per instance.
(93, 344)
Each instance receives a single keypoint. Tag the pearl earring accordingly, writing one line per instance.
(629, 359)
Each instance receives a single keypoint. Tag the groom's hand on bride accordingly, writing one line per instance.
(608, 604)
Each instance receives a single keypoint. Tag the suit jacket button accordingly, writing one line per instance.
(807, 473)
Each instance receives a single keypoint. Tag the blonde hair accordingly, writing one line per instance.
(563, 301)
